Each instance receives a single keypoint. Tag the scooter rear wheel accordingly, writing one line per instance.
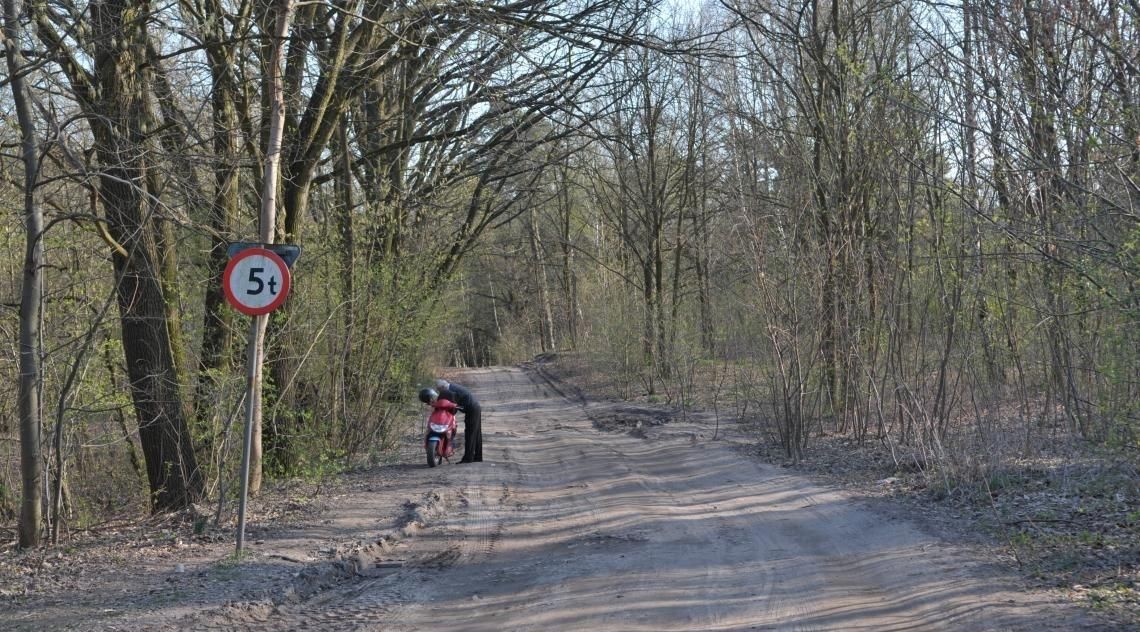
(434, 458)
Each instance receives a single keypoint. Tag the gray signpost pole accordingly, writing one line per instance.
(252, 361)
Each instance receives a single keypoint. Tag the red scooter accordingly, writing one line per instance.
(439, 442)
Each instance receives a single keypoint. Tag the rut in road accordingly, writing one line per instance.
(566, 527)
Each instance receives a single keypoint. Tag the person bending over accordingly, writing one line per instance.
(472, 418)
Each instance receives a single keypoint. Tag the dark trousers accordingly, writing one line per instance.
(472, 434)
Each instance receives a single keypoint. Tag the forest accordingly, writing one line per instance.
(900, 221)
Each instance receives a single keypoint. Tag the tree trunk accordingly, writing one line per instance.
(649, 340)
(346, 204)
(120, 125)
(546, 327)
(218, 320)
(569, 279)
(31, 473)
(271, 180)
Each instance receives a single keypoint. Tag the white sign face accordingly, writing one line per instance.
(256, 281)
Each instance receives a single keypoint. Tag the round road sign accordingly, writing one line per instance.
(256, 281)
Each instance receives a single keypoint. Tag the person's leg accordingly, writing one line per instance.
(477, 452)
(470, 429)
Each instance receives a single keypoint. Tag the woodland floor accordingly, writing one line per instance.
(1066, 521)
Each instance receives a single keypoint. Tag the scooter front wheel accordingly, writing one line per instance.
(434, 458)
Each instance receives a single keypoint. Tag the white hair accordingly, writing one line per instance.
(442, 385)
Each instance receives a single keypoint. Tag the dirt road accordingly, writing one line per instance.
(585, 516)
(597, 517)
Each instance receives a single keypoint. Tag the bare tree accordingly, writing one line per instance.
(115, 95)
(642, 196)
(31, 504)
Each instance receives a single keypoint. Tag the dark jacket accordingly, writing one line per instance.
(461, 396)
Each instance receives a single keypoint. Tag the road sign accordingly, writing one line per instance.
(256, 281)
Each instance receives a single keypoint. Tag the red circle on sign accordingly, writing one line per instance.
(249, 279)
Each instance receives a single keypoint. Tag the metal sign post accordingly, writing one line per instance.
(253, 361)
(256, 281)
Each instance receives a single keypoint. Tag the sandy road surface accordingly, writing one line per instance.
(569, 527)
